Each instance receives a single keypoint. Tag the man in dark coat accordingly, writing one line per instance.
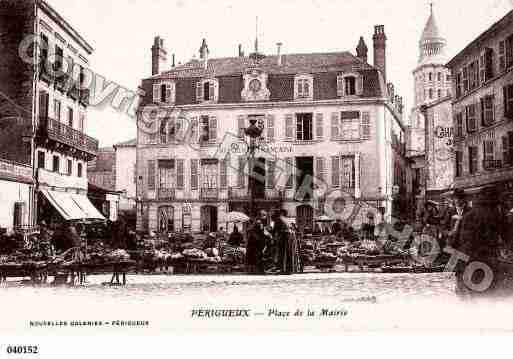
(480, 234)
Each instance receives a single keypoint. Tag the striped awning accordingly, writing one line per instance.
(72, 206)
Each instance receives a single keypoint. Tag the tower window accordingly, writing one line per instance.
(439, 76)
(430, 76)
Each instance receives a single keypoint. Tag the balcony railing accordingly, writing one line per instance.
(167, 193)
(242, 194)
(62, 133)
(492, 164)
(209, 194)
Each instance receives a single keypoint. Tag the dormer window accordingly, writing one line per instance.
(349, 85)
(303, 87)
(207, 90)
(164, 92)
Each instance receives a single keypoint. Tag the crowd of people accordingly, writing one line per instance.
(272, 244)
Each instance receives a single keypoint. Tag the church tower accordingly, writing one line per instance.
(431, 78)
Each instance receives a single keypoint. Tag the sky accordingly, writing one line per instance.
(122, 32)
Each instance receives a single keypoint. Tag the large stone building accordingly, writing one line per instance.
(329, 122)
(43, 108)
(432, 86)
(483, 110)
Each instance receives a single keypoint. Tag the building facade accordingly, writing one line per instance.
(102, 170)
(329, 124)
(483, 109)
(44, 106)
(126, 174)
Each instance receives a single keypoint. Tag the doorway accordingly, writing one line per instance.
(208, 219)
(166, 219)
(305, 173)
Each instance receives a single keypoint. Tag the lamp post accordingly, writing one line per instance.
(253, 132)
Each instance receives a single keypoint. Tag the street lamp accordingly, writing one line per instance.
(253, 132)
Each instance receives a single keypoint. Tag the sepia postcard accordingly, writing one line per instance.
(302, 166)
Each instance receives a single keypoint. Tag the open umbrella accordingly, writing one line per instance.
(236, 217)
(324, 218)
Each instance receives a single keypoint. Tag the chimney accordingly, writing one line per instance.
(362, 50)
(241, 52)
(380, 50)
(203, 51)
(173, 64)
(279, 45)
(158, 56)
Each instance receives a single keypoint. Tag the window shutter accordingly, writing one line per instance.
(199, 91)
(359, 85)
(289, 127)
(194, 174)
(156, 92)
(319, 126)
(510, 147)
(224, 173)
(502, 54)
(482, 67)
(509, 52)
(365, 126)
(320, 171)
(212, 90)
(180, 176)
(482, 107)
(43, 104)
(212, 129)
(335, 172)
(194, 130)
(340, 86)
(335, 126)
(240, 174)
(505, 152)
(151, 175)
(270, 128)
(240, 126)
(506, 102)
(290, 172)
(19, 214)
(357, 175)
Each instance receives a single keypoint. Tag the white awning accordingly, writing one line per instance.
(91, 212)
(72, 206)
(64, 204)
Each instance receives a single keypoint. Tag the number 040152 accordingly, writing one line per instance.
(22, 349)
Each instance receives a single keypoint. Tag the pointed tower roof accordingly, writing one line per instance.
(432, 44)
(431, 30)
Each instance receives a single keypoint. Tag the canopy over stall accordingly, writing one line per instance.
(72, 206)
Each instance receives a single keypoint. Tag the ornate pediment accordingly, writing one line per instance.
(255, 86)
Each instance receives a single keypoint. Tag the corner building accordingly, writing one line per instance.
(325, 115)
